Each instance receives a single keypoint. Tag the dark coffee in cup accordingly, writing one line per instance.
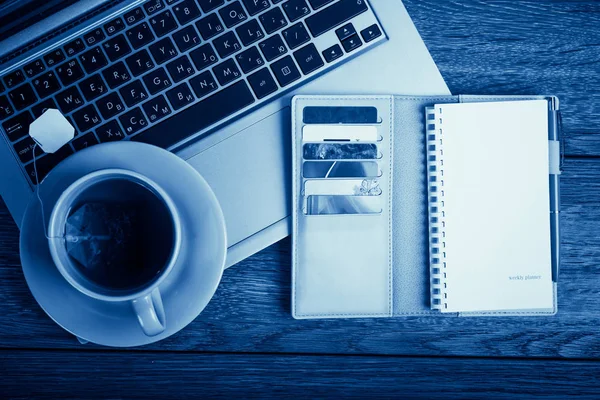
(119, 235)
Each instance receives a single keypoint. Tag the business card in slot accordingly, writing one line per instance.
(340, 169)
(340, 115)
(346, 187)
(340, 151)
(335, 205)
(340, 133)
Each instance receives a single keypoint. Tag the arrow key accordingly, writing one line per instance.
(345, 31)
(370, 33)
(332, 53)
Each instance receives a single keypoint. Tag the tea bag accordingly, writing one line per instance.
(99, 235)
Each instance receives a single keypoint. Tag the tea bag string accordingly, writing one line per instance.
(68, 238)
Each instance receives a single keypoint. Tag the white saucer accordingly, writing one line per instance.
(185, 291)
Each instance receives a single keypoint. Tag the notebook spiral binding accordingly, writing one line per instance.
(437, 245)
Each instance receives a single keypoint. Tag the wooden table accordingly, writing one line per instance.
(246, 342)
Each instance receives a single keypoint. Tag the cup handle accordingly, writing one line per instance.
(150, 313)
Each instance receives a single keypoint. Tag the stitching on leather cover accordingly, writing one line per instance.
(390, 199)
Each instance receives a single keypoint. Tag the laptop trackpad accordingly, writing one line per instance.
(250, 173)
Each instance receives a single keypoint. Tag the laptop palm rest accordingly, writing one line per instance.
(250, 172)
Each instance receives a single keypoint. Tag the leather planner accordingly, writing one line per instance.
(412, 206)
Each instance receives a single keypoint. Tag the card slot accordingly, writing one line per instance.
(341, 133)
(340, 151)
(340, 114)
(345, 187)
(340, 169)
(342, 204)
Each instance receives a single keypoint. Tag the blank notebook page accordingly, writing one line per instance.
(496, 205)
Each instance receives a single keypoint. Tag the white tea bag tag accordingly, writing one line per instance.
(51, 131)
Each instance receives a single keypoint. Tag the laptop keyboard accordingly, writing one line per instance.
(168, 69)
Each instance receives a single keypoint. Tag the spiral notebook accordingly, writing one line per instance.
(490, 241)
(434, 206)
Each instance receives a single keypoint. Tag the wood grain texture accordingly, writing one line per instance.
(175, 376)
(521, 47)
(250, 311)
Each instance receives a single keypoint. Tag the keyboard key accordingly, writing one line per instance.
(41, 108)
(133, 121)
(209, 5)
(140, 35)
(156, 81)
(116, 48)
(352, 43)
(201, 115)
(46, 84)
(250, 59)
(93, 87)
(153, 6)
(114, 26)
(69, 72)
(21, 97)
(276, 1)
(272, 20)
(85, 141)
(156, 108)
(262, 83)
(116, 75)
(209, 26)
(1, 87)
(110, 132)
(14, 78)
(332, 53)
(92, 60)
(163, 23)
(133, 16)
(203, 56)
(186, 38)
(34, 68)
(318, 3)
(133, 93)
(186, 11)
(139, 62)
(93, 37)
(233, 14)
(180, 96)
(45, 164)
(296, 35)
(203, 84)
(180, 68)
(370, 33)
(345, 31)
(110, 105)
(334, 15)
(250, 32)
(74, 47)
(68, 100)
(54, 57)
(273, 47)
(256, 6)
(24, 149)
(226, 72)
(18, 126)
(227, 44)
(86, 118)
(6, 109)
(308, 59)
(163, 50)
(285, 71)
(295, 9)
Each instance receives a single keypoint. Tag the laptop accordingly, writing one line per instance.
(209, 80)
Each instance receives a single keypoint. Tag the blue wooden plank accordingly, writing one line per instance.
(52, 374)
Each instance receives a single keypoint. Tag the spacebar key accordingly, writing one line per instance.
(198, 117)
(334, 15)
